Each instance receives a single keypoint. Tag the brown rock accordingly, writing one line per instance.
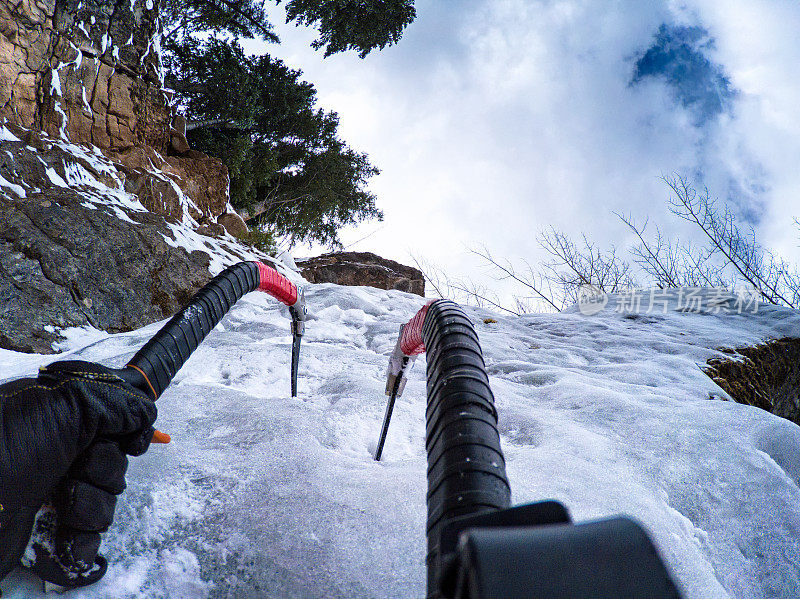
(156, 193)
(24, 97)
(765, 376)
(202, 178)
(86, 69)
(178, 142)
(179, 124)
(234, 224)
(211, 230)
(362, 268)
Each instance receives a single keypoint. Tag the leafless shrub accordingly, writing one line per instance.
(771, 276)
(574, 265)
(729, 257)
(465, 290)
(672, 264)
(435, 278)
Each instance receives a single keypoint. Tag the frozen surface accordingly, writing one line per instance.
(262, 495)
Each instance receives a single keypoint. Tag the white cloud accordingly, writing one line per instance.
(757, 42)
(493, 120)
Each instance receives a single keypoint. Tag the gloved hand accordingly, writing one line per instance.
(64, 437)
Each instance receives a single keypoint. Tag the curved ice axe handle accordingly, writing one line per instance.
(154, 365)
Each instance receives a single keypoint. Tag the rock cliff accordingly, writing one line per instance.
(90, 72)
(766, 376)
(102, 200)
(86, 69)
(77, 251)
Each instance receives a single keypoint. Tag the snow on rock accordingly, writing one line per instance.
(54, 177)
(263, 495)
(6, 135)
(101, 183)
(17, 189)
(85, 222)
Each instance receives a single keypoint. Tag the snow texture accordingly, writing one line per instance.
(13, 187)
(6, 135)
(262, 495)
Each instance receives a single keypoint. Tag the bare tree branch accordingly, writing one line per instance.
(729, 257)
(510, 273)
(755, 264)
(432, 275)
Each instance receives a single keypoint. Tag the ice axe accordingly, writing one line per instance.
(154, 365)
(409, 345)
(298, 313)
(395, 383)
(479, 547)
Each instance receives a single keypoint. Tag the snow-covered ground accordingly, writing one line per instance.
(262, 495)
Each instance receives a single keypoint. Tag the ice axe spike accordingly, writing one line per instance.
(395, 383)
(295, 362)
(396, 391)
(298, 314)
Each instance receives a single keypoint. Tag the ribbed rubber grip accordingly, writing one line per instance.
(466, 467)
(161, 357)
(154, 366)
(278, 286)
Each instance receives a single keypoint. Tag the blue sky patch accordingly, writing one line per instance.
(678, 56)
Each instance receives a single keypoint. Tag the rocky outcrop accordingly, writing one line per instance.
(90, 72)
(766, 376)
(161, 182)
(362, 268)
(76, 250)
(100, 195)
(234, 224)
(86, 69)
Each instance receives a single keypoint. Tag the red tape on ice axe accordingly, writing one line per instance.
(278, 286)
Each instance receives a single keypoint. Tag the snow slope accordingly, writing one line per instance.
(262, 495)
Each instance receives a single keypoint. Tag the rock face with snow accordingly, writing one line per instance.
(766, 376)
(362, 268)
(68, 261)
(90, 71)
(89, 68)
(100, 194)
(79, 248)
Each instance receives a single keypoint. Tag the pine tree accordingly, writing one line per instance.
(286, 162)
(353, 24)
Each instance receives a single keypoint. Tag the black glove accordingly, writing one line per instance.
(63, 440)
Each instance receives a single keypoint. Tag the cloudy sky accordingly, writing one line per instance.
(492, 120)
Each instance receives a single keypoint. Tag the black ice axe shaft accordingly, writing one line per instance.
(154, 365)
(395, 384)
